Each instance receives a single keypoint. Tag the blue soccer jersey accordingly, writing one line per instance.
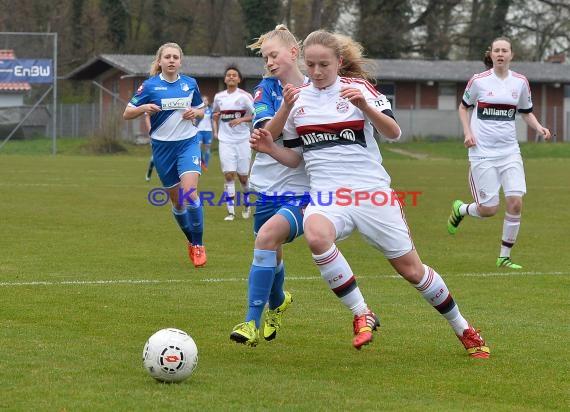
(267, 174)
(173, 98)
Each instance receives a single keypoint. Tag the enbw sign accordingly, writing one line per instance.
(26, 71)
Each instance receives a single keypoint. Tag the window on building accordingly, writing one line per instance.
(447, 97)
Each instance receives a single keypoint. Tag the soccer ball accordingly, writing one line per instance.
(170, 355)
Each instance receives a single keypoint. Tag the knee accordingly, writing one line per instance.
(268, 240)
(514, 207)
(317, 242)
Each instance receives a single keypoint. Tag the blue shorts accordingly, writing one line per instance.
(290, 207)
(173, 159)
(205, 137)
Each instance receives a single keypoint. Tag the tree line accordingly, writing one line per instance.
(388, 29)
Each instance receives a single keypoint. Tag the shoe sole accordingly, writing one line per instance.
(236, 337)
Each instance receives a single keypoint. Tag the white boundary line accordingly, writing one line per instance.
(215, 280)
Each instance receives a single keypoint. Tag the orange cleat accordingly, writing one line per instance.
(199, 255)
(474, 343)
(363, 326)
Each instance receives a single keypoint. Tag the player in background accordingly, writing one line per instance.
(233, 109)
(205, 133)
(334, 117)
(494, 154)
(173, 102)
(278, 215)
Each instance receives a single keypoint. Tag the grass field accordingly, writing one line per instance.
(89, 269)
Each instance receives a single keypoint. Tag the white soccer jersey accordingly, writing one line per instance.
(233, 106)
(495, 102)
(205, 124)
(337, 138)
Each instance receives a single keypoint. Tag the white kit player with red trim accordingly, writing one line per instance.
(334, 118)
(234, 105)
(495, 96)
(495, 103)
(342, 136)
(234, 111)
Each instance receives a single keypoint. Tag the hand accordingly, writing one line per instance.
(290, 95)
(151, 108)
(234, 122)
(354, 96)
(544, 132)
(469, 140)
(189, 114)
(261, 140)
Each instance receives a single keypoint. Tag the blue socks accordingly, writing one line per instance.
(206, 156)
(183, 219)
(191, 221)
(260, 283)
(196, 213)
(277, 296)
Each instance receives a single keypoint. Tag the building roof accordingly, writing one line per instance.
(7, 54)
(384, 70)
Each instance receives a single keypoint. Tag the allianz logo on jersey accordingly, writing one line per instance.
(312, 138)
(493, 113)
(228, 116)
(176, 103)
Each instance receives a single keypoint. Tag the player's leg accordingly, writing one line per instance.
(434, 290)
(484, 183)
(228, 163)
(514, 187)
(260, 278)
(386, 229)
(283, 227)
(206, 151)
(321, 232)
(186, 199)
(243, 166)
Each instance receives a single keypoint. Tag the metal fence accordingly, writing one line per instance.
(84, 120)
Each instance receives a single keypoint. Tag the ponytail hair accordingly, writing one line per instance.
(353, 63)
(280, 32)
(155, 65)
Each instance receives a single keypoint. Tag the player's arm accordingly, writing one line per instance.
(376, 108)
(262, 141)
(215, 119)
(277, 123)
(531, 120)
(132, 112)
(468, 137)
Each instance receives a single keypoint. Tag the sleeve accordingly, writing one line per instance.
(249, 104)
(470, 93)
(525, 99)
(263, 104)
(197, 97)
(377, 100)
(215, 104)
(290, 137)
(141, 95)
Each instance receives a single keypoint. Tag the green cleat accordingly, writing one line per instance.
(273, 318)
(455, 217)
(506, 262)
(246, 333)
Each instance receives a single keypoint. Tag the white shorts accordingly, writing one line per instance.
(486, 177)
(382, 226)
(235, 157)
